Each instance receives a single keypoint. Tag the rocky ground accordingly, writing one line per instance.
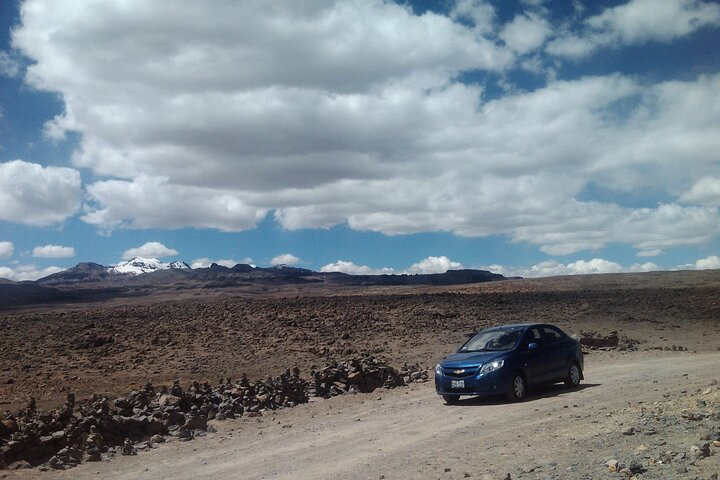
(648, 415)
(113, 348)
(47, 353)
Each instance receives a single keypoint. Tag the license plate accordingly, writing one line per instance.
(457, 383)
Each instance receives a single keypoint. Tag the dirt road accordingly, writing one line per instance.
(409, 433)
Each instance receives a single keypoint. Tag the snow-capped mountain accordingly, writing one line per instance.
(178, 264)
(139, 265)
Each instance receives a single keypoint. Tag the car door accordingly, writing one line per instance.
(536, 359)
(557, 353)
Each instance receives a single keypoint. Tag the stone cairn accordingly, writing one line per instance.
(100, 427)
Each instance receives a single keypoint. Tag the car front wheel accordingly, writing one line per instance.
(574, 375)
(517, 388)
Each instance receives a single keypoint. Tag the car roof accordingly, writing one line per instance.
(513, 326)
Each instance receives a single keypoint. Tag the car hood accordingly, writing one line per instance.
(470, 359)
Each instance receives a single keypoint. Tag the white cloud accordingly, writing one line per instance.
(480, 13)
(705, 191)
(518, 177)
(352, 113)
(526, 33)
(710, 263)
(27, 272)
(350, 268)
(53, 251)
(644, 267)
(285, 259)
(150, 202)
(502, 270)
(434, 265)
(580, 267)
(149, 250)
(430, 264)
(9, 66)
(636, 22)
(650, 253)
(6, 249)
(35, 195)
(225, 262)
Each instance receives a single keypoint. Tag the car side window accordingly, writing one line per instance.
(535, 336)
(552, 335)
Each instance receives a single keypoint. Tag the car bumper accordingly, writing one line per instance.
(492, 383)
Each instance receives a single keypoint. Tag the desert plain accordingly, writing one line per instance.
(648, 408)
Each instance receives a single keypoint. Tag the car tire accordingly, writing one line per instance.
(574, 375)
(517, 387)
(451, 399)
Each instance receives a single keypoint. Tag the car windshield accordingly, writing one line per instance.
(492, 340)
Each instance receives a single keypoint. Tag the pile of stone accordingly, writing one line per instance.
(595, 340)
(361, 375)
(99, 427)
(611, 341)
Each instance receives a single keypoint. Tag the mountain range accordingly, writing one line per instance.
(139, 276)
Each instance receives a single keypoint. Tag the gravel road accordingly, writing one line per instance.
(408, 433)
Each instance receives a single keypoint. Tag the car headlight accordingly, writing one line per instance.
(438, 369)
(492, 366)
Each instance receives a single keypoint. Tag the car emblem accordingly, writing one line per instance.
(457, 372)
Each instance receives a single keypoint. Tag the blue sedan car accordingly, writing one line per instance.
(508, 360)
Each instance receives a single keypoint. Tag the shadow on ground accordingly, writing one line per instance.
(533, 395)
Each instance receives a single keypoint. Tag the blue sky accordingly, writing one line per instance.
(527, 137)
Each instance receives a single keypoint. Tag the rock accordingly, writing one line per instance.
(628, 431)
(128, 448)
(92, 456)
(19, 465)
(169, 400)
(610, 341)
(65, 458)
(185, 434)
(10, 426)
(635, 466)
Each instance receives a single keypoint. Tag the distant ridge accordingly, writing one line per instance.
(82, 272)
(451, 277)
(139, 276)
(148, 268)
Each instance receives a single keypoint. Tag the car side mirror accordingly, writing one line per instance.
(532, 346)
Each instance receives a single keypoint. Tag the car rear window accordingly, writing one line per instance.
(552, 334)
(535, 336)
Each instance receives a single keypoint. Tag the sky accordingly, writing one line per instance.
(525, 137)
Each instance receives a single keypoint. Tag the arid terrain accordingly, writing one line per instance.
(669, 354)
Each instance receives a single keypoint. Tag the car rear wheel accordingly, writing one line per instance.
(574, 375)
(451, 399)
(517, 389)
